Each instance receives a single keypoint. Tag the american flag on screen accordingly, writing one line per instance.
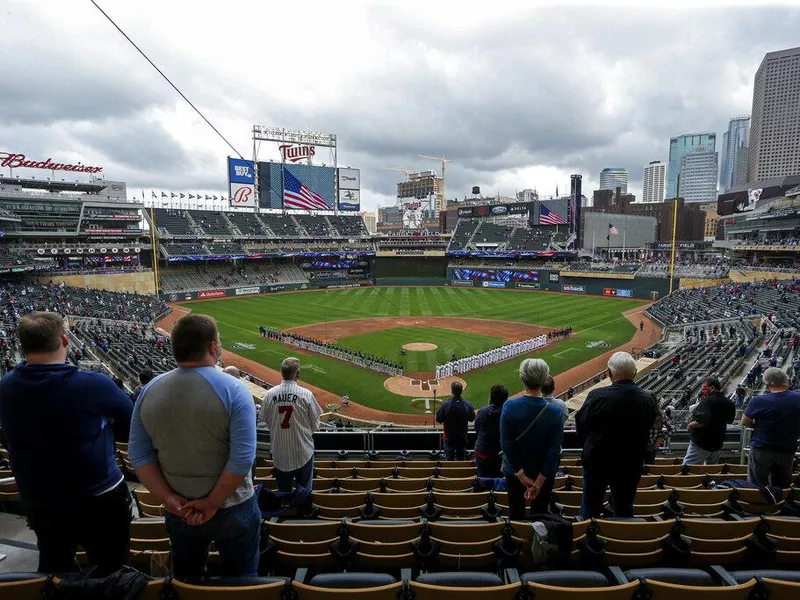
(296, 195)
(550, 217)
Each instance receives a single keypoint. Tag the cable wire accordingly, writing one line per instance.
(167, 79)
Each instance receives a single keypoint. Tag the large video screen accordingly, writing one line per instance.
(504, 275)
(274, 177)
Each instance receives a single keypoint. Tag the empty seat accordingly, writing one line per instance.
(351, 580)
(694, 577)
(573, 579)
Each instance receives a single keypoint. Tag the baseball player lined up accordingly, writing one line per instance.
(292, 415)
(490, 357)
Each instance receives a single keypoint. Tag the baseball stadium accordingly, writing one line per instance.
(391, 317)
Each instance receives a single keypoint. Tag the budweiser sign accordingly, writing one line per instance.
(15, 160)
(294, 153)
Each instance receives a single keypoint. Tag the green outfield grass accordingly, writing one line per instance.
(593, 319)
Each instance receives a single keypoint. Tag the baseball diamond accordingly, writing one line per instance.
(379, 321)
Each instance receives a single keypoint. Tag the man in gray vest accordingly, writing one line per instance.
(193, 444)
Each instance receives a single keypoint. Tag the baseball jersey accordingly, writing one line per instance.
(292, 415)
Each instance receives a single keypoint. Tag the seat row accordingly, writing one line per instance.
(653, 584)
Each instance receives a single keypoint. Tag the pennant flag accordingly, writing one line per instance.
(173, 195)
(153, 194)
(612, 230)
(215, 198)
(163, 194)
(550, 217)
(182, 196)
(297, 195)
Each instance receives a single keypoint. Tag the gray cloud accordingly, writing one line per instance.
(573, 89)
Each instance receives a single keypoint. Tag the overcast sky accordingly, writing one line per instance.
(518, 97)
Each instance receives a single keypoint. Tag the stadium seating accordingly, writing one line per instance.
(211, 223)
(203, 278)
(174, 249)
(173, 222)
(248, 224)
(281, 226)
(313, 226)
(348, 226)
(535, 239)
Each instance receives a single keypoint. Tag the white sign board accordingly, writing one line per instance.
(349, 179)
(243, 195)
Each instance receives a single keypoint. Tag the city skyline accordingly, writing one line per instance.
(82, 94)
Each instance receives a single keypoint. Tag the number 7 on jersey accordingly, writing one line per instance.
(286, 411)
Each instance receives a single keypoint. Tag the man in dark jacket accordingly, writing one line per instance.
(487, 427)
(614, 426)
(59, 426)
(455, 414)
(709, 421)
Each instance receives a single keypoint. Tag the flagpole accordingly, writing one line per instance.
(593, 234)
(624, 231)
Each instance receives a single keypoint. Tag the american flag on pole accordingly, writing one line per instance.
(612, 230)
(550, 217)
(297, 195)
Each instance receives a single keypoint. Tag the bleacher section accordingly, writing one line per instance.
(781, 299)
(314, 226)
(534, 239)
(212, 223)
(225, 248)
(349, 226)
(491, 235)
(173, 222)
(462, 234)
(282, 226)
(185, 249)
(203, 278)
(247, 223)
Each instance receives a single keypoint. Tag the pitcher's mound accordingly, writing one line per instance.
(420, 347)
(420, 388)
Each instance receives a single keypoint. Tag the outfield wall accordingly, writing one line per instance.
(234, 292)
(646, 288)
(412, 281)
(140, 282)
(414, 266)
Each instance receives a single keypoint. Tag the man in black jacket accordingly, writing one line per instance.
(456, 414)
(709, 421)
(614, 426)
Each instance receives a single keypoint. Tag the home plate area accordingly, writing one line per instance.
(418, 387)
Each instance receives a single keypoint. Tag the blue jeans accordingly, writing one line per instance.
(695, 455)
(304, 477)
(454, 452)
(235, 531)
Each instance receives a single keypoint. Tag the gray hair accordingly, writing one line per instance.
(232, 371)
(775, 377)
(622, 365)
(289, 368)
(533, 372)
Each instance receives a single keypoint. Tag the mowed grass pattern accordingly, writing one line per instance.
(387, 344)
(593, 319)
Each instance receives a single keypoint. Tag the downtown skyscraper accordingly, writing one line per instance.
(654, 181)
(679, 146)
(775, 126)
(735, 146)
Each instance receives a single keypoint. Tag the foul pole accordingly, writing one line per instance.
(672, 252)
(153, 243)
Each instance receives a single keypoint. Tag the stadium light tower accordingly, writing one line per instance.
(444, 160)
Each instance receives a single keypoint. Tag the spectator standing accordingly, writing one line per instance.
(548, 387)
(193, 444)
(531, 431)
(53, 414)
(455, 414)
(487, 428)
(614, 426)
(775, 418)
(292, 415)
(710, 420)
(145, 377)
(660, 433)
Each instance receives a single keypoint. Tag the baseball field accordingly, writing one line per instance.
(381, 321)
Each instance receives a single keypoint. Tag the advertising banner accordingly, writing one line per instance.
(241, 182)
(462, 282)
(246, 290)
(625, 293)
(349, 179)
(527, 286)
(349, 199)
(554, 277)
(573, 289)
(465, 211)
(210, 294)
(493, 284)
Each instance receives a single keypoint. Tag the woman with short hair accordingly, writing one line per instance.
(487, 427)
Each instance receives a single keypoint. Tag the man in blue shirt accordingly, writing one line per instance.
(59, 424)
(531, 431)
(775, 418)
(455, 414)
(193, 444)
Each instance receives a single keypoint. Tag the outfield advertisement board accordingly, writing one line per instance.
(247, 290)
(618, 292)
(493, 284)
(463, 282)
(211, 294)
(528, 286)
(573, 289)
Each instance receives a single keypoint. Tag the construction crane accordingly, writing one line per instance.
(444, 160)
(405, 170)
